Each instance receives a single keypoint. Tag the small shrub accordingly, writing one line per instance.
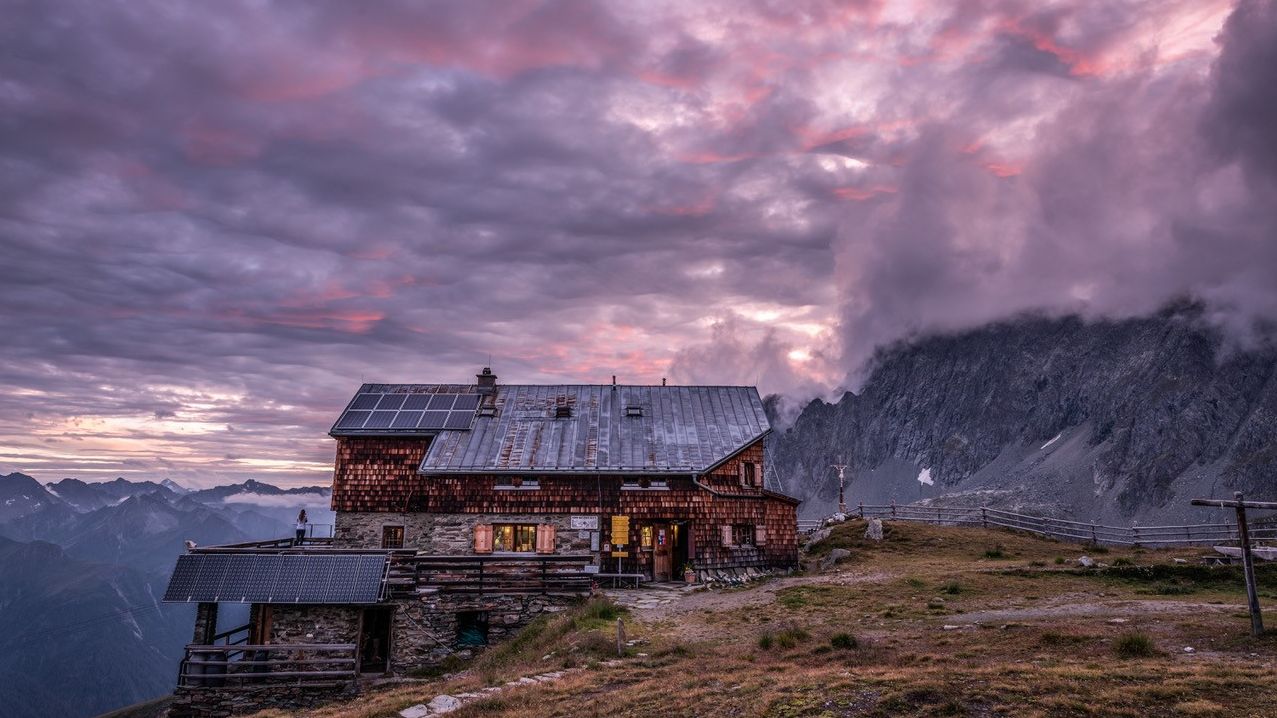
(1037, 564)
(1102, 549)
(1059, 560)
(1173, 588)
(915, 582)
(995, 552)
(843, 641)
(790, 637)
(1123, 561)
(951, 587)
(601, 609)
(1134, 645)
(765, 641)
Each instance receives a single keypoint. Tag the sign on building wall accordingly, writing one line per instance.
(620, 530)
(583, 523)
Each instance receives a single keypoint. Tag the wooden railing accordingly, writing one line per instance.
(411, 574)
(1184, 535)
(249, 666)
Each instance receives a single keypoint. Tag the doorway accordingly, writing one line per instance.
(669, 550)
(374, 640)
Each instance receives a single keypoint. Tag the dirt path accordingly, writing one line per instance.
(731, 599)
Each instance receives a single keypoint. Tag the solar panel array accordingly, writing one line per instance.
(276, 578)
(373, 412)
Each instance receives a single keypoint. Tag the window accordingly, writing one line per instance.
(633, 410)
(742, 534)
(562, 412)
(749, 474)
(644, 483)
(392, 537)
(517, 482)
(645, 537)
(472, 628)
(514, 537)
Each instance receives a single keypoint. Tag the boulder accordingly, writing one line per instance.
(874, 530)
(417, 711)
(443, 704)
(833, 557)
(1086, 561)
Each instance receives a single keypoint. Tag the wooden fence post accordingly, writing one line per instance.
(893, 508)
(620, 638)
(861, 508)
(1135, 535)
(1094, 537)
(984, 517)
(1248, 566)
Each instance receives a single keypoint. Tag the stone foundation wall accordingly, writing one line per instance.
(451, 534)
(219, 703)
(425, 630)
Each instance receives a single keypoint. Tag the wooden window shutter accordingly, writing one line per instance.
(727, 535)
(483, 538)
(545, 538)
(740, 471)
(760, 535)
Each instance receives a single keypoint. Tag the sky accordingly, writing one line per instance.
(218, 218)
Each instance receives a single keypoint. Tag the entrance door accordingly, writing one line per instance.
(374, 640)
(662, 558)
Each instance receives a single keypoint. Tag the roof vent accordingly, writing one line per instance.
(562, 412)
(633, 410)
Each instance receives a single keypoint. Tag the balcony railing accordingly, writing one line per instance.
(556, 575)
(248, 666)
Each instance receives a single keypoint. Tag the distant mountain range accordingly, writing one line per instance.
(1115, 421)
(84, 566)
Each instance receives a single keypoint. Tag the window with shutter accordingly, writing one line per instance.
(483, 538)
(760, 536)
(727, 535)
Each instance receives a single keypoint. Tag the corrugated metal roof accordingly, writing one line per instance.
(682, 429)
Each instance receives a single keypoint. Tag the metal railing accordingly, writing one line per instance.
(248, 666)
(1183, 535)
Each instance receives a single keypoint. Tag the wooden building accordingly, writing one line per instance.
(651, 481)
(463, 513)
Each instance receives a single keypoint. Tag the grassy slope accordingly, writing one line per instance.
(1033, 637)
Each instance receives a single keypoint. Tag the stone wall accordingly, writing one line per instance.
(425, 630)
(449, 534)
(222, 702)
(314, 624)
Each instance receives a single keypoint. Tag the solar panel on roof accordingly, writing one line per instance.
(276, 578)
(379, 420)
(466, 402)
(458, 420)
(440, 402)
(406, 420)
(416, 401)
(352, 419)
(391, 402)
(365, 401)
(433, 420)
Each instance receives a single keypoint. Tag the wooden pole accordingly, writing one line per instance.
(1248, 566)
(620, 638)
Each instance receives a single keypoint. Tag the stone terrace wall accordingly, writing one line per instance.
(425, 629)
(449, 534)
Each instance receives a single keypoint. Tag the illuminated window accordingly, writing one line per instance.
(514, 537)
(645, 537)
(392, 537)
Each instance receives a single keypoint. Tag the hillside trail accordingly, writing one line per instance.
(654, 604)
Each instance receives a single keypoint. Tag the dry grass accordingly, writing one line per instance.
(1034, 637)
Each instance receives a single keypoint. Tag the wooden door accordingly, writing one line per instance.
(662, 557)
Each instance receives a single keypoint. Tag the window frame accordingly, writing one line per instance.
(744, 531)
(498, 537)
(403, 535)
(517, 483)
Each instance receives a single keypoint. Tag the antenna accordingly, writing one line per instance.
(842, 469)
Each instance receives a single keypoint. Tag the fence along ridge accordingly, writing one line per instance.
(1186, 534)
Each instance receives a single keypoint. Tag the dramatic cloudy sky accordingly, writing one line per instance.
(217, 218)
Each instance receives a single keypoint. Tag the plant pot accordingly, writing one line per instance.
(689, 577)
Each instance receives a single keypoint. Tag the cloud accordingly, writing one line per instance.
(216, 222)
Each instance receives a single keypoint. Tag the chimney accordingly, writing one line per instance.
(486, 380)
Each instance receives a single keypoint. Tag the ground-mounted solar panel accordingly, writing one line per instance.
(416, 402)
(458, 420)
(406, 420)
(466, 402)
(365, 401)
(352, 419)
(442, 402)
(391, 402)
(380, 420)
(433, 420)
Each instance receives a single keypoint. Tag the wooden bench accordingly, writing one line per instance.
(618, 578)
